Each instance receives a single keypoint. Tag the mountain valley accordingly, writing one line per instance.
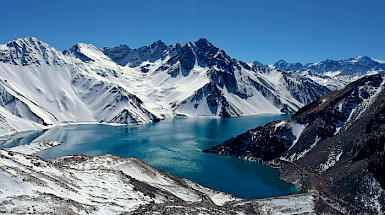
(332, 148)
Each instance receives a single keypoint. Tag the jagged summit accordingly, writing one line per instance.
(158, 43)
(360, 64)
(281, 64)
(123, 55)
(203, 42)
(334, 74)
(29, 51)
(134, 86)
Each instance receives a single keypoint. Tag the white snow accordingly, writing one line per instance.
(371, 198)
(108, 184)
(296, 156)
(280, 124)
(332, 73)
(32, 148)
(104, 184)
(333, 158)
(52, 88)
(356, 112)
(297, 130)
(378, 61)
(291, 204)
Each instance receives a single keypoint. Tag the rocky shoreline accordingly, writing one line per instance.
(109, 184)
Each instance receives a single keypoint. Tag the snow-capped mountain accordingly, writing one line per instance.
(46, 87)
(334, 74)
(334, 145)
(133, 86)
(199, 79)
(281, 64)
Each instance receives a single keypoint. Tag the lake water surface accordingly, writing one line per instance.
(174, 146)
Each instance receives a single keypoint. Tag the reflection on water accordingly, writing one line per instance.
(174, 146)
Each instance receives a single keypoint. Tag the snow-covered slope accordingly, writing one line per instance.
(46, 87)
(199, 79)
(134, 86)
(108, 184)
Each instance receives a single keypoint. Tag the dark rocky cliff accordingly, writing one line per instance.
(334, 146)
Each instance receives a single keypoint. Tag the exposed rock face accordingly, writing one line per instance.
(334, 145)
(123, 55)
(231, 81)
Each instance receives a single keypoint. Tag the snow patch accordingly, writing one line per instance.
(332, 73)
(333, 158)
(33, 148)
(378, 61)
(296, 156)
(291, 204)
(280, 124)
(297, 130)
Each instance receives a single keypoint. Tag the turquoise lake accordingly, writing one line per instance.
(174, 146)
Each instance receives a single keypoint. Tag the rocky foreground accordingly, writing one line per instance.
(334, 148)
(108, 184)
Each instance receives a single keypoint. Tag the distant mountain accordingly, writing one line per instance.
(334, 145)
(135, 86)
(334, 74)
(281, 64)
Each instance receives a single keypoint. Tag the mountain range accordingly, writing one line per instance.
(333, 147)
(332, 73)
(41, 86)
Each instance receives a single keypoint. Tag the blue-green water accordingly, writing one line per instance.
(174, 146)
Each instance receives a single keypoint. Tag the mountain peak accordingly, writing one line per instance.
(25, 39)
(83, 51)
(29, 50)
(158, 45)
(30, 41)
(363, 58)
(203, 42)
(282, 64)
(158, 42)
(281, 61)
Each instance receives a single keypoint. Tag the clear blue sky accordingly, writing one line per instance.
(295, 30)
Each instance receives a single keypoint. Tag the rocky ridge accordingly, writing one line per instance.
(333, 146)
